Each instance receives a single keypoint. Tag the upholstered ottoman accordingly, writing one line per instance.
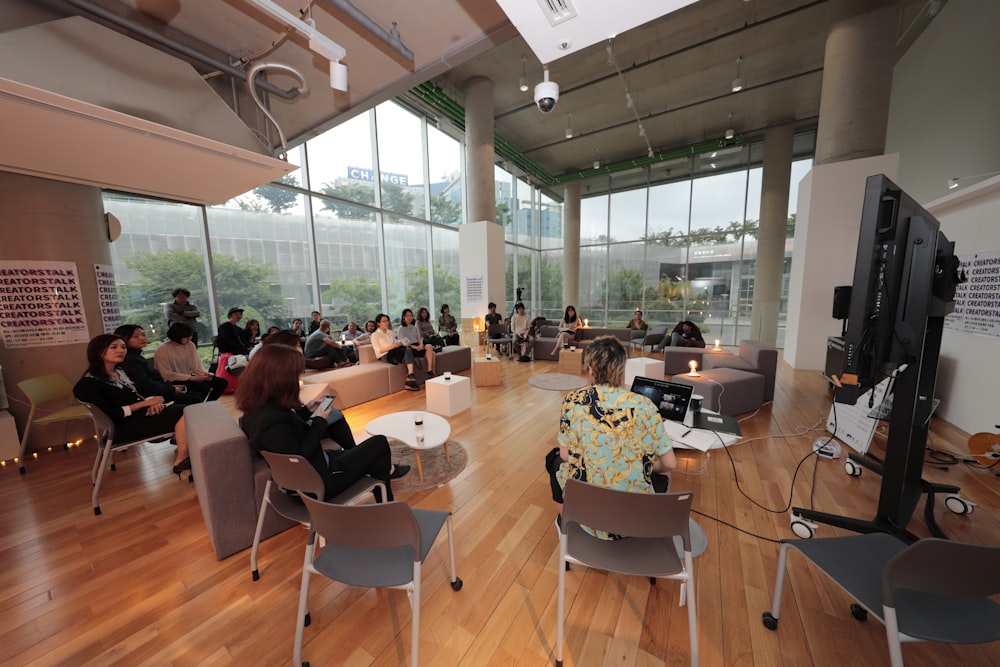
(727, 391)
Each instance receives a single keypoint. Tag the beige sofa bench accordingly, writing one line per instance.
(372, 379)
(546, 339)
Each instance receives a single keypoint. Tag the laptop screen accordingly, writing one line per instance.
(670, 398)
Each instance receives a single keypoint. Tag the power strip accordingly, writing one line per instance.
(827, 447)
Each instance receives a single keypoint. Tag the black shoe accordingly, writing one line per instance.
(398, 471)
(182, 466)
(431, 374)
(411, 385)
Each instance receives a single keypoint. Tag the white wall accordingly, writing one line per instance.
(943, 122)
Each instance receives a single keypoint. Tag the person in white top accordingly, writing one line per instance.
(520, 322)
(177, 360)
(391, 351)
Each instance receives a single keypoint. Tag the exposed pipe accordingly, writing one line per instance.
(392, 38)
(252, 73)
(174, 45)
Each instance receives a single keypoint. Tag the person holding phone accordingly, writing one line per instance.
(275, 420)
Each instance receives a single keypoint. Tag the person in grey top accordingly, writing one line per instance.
(321, 344)
(181, 310)
(408, 334)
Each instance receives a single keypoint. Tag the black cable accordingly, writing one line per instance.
(745, 532)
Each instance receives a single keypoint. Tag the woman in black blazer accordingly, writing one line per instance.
(276, 421)
(108, 387)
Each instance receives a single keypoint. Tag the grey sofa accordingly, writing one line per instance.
(755, 357)
(546, 340)
(228, 478)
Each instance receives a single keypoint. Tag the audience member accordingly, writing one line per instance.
(390, 350)
(409, 334)
(447, 326)
(275, 420)
(181, 310)
(493, 317)
(297, 330)
(609, 436)
(520, 323)
(251, 333)
(106, 385)
(320, 344)
(314, 323)
(567, 329)
(178, 361)
(270, 332)
(230, 339)
(637, 323)
(149, 381)
(427, 329)
(685, 334)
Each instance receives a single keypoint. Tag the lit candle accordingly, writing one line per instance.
(693, 365)
(717, 344)
(586, 322)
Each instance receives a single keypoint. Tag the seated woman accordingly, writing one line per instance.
(567, 329)
(409, 332)
(148, 380)
(608, 435)
(178, 361)
(251, 334)
(107, 386)
(685, 334)
(276, 421)
(427, 329)
(448, 327)
(390, 350)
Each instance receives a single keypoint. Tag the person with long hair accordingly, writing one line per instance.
(391, 351)
(178, 361)
(608, 435)
(427, 329)
(448, 327)
(275, 420)
(251, 333)
(106, 385)
(567, 329)
(148, 380)
(685, 334)
(409, 333)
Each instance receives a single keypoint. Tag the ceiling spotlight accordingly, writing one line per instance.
(952, 183)
(730, 133)
(738, 81)
(597, 158)
(523, 83)
(651, 154)
(569, 125)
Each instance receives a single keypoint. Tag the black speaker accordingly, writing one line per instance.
(841, 302)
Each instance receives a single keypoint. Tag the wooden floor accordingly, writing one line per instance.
(139, 585)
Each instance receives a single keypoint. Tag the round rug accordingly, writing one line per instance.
(557, 381)
(437, 470)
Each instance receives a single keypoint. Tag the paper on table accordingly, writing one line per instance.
(696, 438)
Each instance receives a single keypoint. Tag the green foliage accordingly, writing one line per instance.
(445, 210)
(358, 299)
(624, 289)
(395, 198)
(446, 289)
(239, 282)
(279, 199)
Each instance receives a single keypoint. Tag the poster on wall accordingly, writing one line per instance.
(41, 304)
(977, 300)
(473, 288)
(107, 297)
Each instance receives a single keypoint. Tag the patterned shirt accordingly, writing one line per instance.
(613, 437)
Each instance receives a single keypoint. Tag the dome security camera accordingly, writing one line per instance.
(546, 94)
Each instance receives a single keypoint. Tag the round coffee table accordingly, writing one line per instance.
(399, 425)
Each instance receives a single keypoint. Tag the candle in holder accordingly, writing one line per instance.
(717, 344)
(693, 365)
(586, 322)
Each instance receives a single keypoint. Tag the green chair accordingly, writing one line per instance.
(41, 391)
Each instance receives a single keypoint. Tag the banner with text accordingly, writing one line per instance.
(977, 300)
(107, 297)
(41, 304)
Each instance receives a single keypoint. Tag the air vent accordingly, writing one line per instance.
(557, 11)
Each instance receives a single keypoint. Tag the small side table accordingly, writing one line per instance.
(448, 397)
(571, 361)
(642, 367)
(485, 372)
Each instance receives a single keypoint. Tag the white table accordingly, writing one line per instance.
(642, 367)
(399, 425)
(448, 397)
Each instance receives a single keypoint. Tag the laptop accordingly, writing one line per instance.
(670, 398)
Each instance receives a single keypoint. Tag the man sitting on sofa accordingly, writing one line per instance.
(320, 345)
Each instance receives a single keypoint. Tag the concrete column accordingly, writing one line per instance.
(52, 221)
(771, 233)
(571, 245)
(857, 77)
(479, 150)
